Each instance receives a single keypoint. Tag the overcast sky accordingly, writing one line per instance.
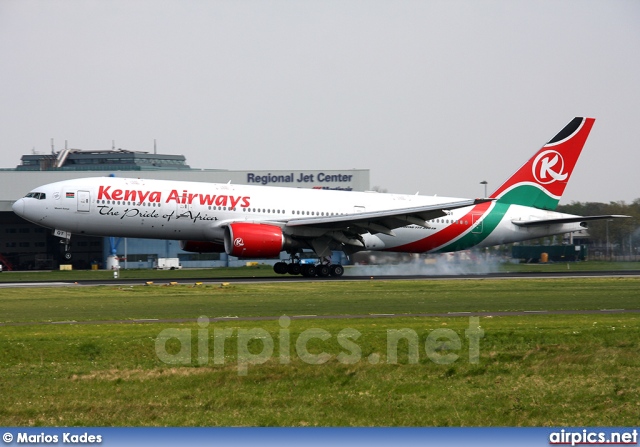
(431, 96)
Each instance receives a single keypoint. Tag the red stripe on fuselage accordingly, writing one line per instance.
(445, 235)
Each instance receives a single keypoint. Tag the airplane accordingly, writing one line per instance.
(249, 221)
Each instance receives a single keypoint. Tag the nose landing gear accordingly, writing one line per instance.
(67, 249)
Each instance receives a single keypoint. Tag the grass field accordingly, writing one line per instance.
(101, 303)
(532, 370)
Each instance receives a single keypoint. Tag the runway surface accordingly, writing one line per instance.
(294, 279)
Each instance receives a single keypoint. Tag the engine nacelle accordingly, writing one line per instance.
(202, 247)
(254, 240)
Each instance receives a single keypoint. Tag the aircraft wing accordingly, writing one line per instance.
(564, 220)
(381, 221)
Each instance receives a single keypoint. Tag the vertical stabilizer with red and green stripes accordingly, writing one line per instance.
(541, 181)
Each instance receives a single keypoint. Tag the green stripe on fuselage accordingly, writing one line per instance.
(488, 224)
(525, 195)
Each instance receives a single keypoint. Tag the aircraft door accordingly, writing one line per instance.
(477, 223)
(84, 201)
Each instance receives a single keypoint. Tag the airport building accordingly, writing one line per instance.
(25, 246)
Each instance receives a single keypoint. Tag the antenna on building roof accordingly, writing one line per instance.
(53, 151)
(113, 145)
(155, 152)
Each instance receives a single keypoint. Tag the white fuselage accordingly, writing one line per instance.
(107, 206)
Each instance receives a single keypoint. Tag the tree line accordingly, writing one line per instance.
(623, 234)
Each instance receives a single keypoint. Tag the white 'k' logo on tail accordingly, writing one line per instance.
(543, 167)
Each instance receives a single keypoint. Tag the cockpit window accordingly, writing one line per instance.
(37, 195)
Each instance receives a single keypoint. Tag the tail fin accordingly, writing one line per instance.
(541, 181)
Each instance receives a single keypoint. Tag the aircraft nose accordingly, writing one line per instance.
(18, 207)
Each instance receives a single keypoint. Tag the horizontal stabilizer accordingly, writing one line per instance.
(564, 220)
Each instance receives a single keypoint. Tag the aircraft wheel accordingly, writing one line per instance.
(280, 268)
(337, 270)
(293, 268)
(308, 271)
(323, 270)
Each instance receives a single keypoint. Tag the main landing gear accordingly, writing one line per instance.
(322, 269)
